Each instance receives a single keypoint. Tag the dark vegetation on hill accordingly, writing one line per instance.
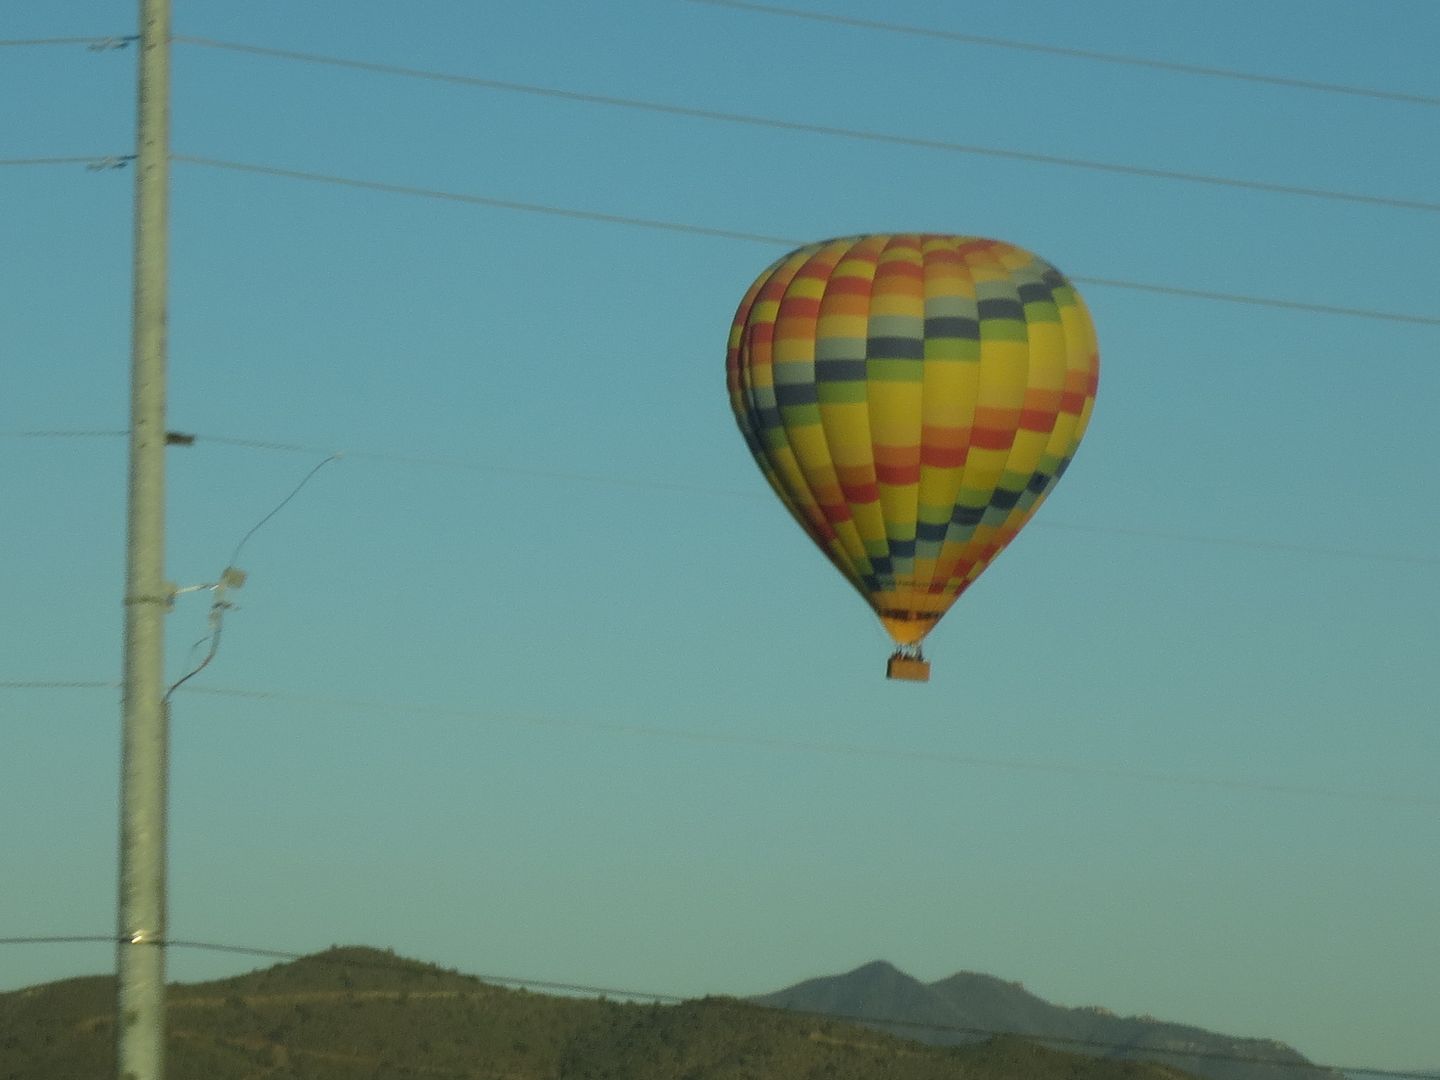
(359, 1014)
(955, 1011)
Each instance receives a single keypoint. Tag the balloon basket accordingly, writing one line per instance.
(908, 667)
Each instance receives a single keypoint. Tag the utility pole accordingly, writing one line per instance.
(145, 737)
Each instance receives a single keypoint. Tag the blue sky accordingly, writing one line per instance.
(559, 691)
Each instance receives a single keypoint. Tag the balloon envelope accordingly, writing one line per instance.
(912, 398)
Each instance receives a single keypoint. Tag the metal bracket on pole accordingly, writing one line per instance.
(114, 161)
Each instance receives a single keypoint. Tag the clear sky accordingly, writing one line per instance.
(558, 691)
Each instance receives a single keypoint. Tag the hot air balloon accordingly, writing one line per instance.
(912, 398)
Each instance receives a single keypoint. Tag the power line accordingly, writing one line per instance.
(235, 555)
(57, 433)
(96, 44)
(375, 962)
(762, 238)
(717, 738)
(61, 939)
(263, 444)
(480, 200)
(59, 684)
(1080, 54)
(93, 162)
(650, 484)
(471, 465)
(1262, 301)
(824, 129)
(840, 749)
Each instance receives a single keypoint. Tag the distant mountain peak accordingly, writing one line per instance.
(970, 1006)
(877, 967)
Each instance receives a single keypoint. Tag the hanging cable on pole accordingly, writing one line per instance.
(232, 577)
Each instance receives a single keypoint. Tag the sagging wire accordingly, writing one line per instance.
(232, 577)
(235, 555)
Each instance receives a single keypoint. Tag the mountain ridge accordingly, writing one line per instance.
(967, 1006)
(356, 1013)
(360, 1014)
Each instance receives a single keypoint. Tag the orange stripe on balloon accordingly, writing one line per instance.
(849, 285)
(861, 494)
(1042, 420)
(898, 475)
(993, 438)
(907, 456)
(996, 418)
(897, 465)
(943, 457)
(799, 307)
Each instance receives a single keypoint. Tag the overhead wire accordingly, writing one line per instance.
(235, 555)
(1102, 771)
(59, 684)
(935, 33)
(916, 142)
(1261, 301)
(489, 467)
(475, 200)
(655, 484)
(433, 461)
(375, 962)
(65, 433)
(1106, 772)
(762, 238)
(93, 162)
(96, 44)
(1130, 60)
